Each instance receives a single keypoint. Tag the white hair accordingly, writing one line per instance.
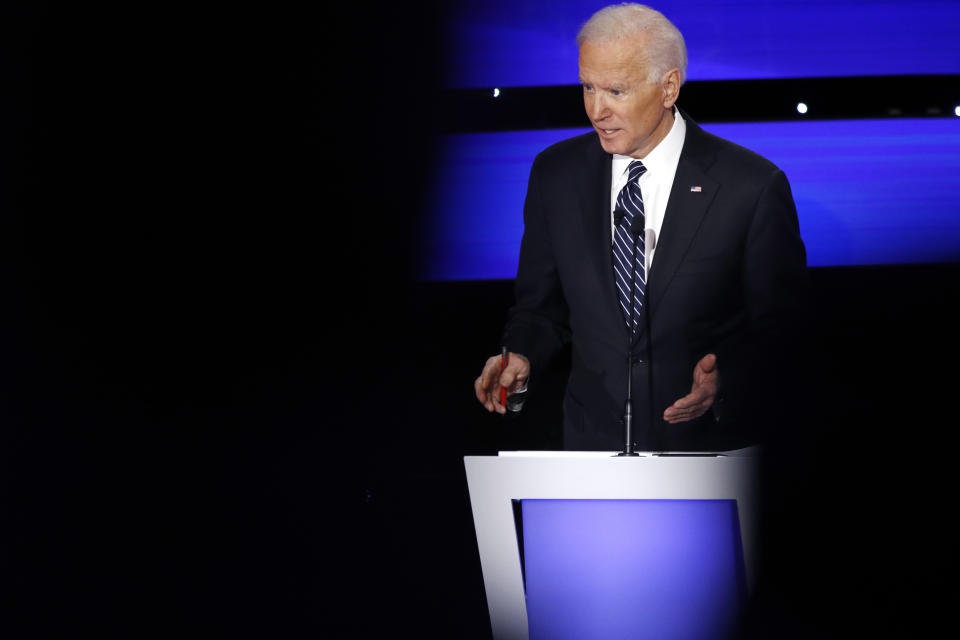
(664, 47)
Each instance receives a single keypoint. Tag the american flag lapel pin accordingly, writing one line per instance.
(696, 189)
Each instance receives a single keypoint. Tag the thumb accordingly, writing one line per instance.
(708, 363)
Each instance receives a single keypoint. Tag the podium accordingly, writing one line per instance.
(590, 545)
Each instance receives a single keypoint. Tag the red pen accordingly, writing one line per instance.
(504, 361)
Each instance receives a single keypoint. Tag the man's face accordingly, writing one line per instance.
(629, 113)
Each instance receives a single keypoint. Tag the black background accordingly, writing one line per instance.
(229, 408)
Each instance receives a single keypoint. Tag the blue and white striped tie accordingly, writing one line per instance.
(630, 201)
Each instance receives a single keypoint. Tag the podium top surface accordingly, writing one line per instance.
(735, 453)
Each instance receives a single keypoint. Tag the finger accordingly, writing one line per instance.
(485, 384)
(483, 396)
(516, 373)
(693, 400)
(694, 409)
(707, 363)
(674, 416)
(478, 389)
(491, 376)
(490, 371)
(502, 390)
(512, 380)
(688, 407)
(493, 395)
(695, 397)
(495, 404)
(683, 418)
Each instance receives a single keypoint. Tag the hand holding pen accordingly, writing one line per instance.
(503, 376)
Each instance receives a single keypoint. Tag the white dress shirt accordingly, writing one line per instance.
(655, 184)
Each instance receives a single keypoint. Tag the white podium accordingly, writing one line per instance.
(652, 494)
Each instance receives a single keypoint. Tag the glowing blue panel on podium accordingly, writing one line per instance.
(632, 568)
(510, 43)
(867, 192)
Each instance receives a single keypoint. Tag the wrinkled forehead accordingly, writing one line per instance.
(626, 57)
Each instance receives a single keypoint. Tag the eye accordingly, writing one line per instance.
(587, 87)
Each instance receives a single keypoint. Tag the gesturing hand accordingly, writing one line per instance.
(706, 383)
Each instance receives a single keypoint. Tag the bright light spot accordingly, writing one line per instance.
(956, 111)
(801, 107)
(496, 93)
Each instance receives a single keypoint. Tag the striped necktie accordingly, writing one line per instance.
(630, 201)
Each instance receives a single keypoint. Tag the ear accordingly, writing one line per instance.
(671, 87)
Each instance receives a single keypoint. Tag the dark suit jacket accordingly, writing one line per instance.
(728, 277)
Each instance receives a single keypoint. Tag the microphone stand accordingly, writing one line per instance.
(655, 431)
(628, 403)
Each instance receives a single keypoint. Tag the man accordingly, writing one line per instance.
(714, 227)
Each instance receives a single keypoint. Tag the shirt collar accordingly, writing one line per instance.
(664, 156)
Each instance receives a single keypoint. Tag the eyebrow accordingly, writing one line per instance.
(613, 87)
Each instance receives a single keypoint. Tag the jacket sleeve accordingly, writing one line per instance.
(538, 325)
(762, 375)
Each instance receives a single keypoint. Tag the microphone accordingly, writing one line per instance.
(636, 227)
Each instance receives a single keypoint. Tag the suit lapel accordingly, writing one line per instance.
(690, 198)
(595, 211)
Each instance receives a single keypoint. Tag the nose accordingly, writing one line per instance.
(596, 107)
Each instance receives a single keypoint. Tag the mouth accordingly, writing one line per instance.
(606, 132)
